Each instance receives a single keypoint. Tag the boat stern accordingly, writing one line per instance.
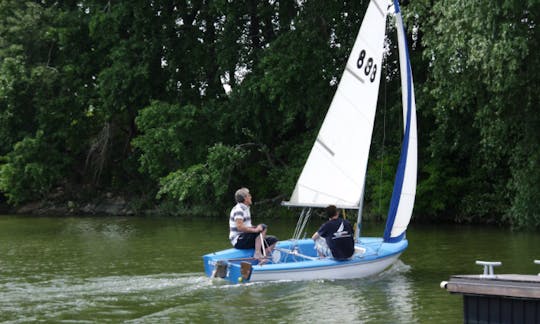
(233, 265)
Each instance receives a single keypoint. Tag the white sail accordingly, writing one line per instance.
(336, 167)
(402, 203)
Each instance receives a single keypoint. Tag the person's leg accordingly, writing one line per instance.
(322, 247)
(246, 241)
(258, 247)
(261, 250)
(270, 242)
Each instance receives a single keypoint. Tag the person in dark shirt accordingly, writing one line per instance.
(335, 237)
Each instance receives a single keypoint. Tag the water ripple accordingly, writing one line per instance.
(111, 296)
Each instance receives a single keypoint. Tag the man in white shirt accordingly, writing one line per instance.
(243, 235)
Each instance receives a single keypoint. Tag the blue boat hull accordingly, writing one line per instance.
(297, 260)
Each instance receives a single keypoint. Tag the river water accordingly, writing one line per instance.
(149, 270)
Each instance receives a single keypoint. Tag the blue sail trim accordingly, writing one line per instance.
(396, 6)
(395, 239)
(400, 173)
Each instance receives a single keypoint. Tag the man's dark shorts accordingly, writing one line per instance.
(247, 240)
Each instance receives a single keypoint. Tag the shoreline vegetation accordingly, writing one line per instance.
(162, 106)
(108, 204)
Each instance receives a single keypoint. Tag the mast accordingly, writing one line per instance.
(359, 217)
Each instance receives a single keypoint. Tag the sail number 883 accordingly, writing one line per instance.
(370, 69)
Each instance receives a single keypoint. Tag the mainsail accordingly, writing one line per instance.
(336, 167)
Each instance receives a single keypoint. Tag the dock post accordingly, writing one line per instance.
(537, 262)
(488, 267)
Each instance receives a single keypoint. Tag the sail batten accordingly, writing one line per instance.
(356, 76)
(325, 147)
(380, 9)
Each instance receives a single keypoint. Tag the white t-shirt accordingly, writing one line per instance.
(240, 211)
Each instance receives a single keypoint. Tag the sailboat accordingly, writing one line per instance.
(335, 171)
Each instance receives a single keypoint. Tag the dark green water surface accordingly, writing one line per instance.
(149, 270)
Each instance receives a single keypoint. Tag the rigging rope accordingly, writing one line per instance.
(298, 223)
(302, 222)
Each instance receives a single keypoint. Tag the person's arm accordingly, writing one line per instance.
(321, 232)
(247, 229)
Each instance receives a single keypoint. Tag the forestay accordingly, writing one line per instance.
(336, 167)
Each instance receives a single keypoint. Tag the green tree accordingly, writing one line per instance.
(26, 175)
(481, 88)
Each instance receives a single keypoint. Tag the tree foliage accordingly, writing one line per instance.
(25, 174)
(184, 101)
(480, 86)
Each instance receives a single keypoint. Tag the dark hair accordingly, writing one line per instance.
(331, 211)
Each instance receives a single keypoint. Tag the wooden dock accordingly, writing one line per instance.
(503, 298)
(511, 285)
